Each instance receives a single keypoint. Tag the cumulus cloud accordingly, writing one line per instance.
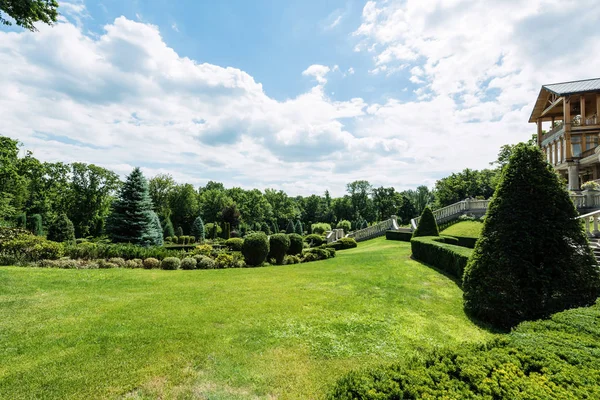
(317, 71)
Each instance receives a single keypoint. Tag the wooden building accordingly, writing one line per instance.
(568, 124)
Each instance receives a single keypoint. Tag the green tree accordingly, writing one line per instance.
(160, 188)
(284, 207)
(183, 203)
(198, 229)
(427, 225)
(468, 183)
(420, 198)
(533, 258)
(290, 227)
(168, 229)
(61, 229)
(360, 192)
(155, 237)
(212, 202)
(231, 214)
(132, 218)
(35, 224)
(26, 12)
(407, 210)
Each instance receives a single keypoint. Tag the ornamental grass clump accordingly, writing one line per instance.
(533, 257)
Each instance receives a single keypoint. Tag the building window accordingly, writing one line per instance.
(591, 142)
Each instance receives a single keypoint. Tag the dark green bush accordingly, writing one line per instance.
(343, 244)
(296, 244)
(234, 244)
(188, 263)
(35, 225)
(255, 249)
(434, 250)
(533, 257)
(548, 359)
(427, 225)
(171, 263)
(61, 229)
(91, 251)
(314, 240)
(168, 230)
(279, 244)
(151, 263)
(21, 221)
(466, 241)
(317, 253)
(398, 235)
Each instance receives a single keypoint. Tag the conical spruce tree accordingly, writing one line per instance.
(168, 230)
(533, 257)
(275, 228)
(61, 229)
(131, 217)
(198, 230)
(427, 225)
(155, 237)
(290, 227)
(298, 228)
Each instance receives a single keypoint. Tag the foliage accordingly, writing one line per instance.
(553, 359)
(231, 215)
(255, 249)
(179, 231)
(314, 240)
(171, 263)
(320, 228)
(296, 244)
(28, 247)
(234, 244)
(427, 225)
(299, 228)
(290, 227)
(345, 225)
(21, 221)
(279, 244)
(533, 258)
(34, 224)
(132, 218)
(168, 230)
(204, 249)
(151, 263)
(224, 260)
(91, 251)
(317, 253)
(61, 229)
(26, 12)
(398, 235)
(466, 184)
(198, 229)
(343, 244)
(419, 198)
(591, 185)
(188, 263)
(438, 252)
(155, 236)
(205, 262)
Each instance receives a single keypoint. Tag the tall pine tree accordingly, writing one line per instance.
(198, 230)
(131, 219)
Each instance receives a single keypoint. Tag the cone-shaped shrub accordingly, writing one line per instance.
(155, 237)
(179, 231)
(290, 227)
(168, 229)
(131, 218)
(198, 230)
(279, 244)
(275, 228)
(255, 249)
(299, 228)
(533, 258)
(427, 225)
(61, 229)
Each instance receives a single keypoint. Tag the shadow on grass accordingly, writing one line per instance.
(480, 324)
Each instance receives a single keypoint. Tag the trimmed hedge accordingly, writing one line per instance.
(343, 244)
(398, 235)
(234, 244)
(441, 252)
(296, 244)
(466, 241)
(314, 239)
(548, 359)
(279, 245)
(255, 249)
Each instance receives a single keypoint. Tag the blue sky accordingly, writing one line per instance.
(295, 95)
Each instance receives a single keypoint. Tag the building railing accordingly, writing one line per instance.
(591, 223)
(587, 200)
(376, 230)
(455, 210)
(557, 131)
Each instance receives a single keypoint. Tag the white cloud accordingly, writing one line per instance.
(174, 27)
(350, 71)
(335, 22)
(319, 72)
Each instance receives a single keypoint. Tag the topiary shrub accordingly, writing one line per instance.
(291, 228)
(179, 231)
(21, 221)
(299, 228)
(314, 240)
(296, 244)
(427, 225)
(151, 263)
(168, 230)
(442, 253)
(533, 257)
(345, 225)
(61, 229)
(320, 228)
(255, 249)
(204, 262)
(188, 263)
(234, 244)
(171, 263)
(291, 260)
(279, 245)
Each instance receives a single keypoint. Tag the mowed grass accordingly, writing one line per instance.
(272, 332)
(464, 228)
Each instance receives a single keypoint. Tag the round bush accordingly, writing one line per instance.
(345, 225)
(296, 244)
(135, 263)
(120, 262)
(234, 244)
(314, 240)
(188, 263)
(171, 263)
(320, 228)
(279, 244)
(255, 249)
(204, 262)
(151, 263)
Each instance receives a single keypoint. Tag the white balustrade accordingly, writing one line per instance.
(455, 210)
(591, 223)
(375, 230)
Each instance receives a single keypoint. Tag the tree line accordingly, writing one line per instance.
(85, 192)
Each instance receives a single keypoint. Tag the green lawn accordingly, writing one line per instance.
(464, 228)
(273, 332)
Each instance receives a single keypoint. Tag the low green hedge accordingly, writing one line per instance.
(436, 251)
(466, 241)
(398, 235)
(343, 244)
(547, 359)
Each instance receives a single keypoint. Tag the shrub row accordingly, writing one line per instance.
(398, 235)
(442, 252)
(317, 253)
(548, 359)
(180, 239)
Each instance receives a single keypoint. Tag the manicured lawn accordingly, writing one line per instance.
(273, 332)
(464, 228)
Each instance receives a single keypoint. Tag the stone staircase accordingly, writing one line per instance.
(595, 245)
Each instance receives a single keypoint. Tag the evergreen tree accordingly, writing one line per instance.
(179, 231)
(35, 225)
(215, 230)
(299, 229)
(61, 229)
(155, 236)
(21, 221)
(427, 225)
(198, 229)
(275, 228)
(131, 217)
(290, 227)
(533, 258)
(168, 230)
(265, 228)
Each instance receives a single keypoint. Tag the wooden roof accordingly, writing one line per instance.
(562, 89)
